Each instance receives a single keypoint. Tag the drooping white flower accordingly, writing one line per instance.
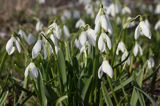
(66, 32)
(157, 25)
(126, 10)
(31, 70)
(91, 35)
(76, 14)
(39, 26)
(80, 23)
(102, 41)
(56, 30)
(31, 39)
(113, 9)
(142, 29)
(150, 63)
(137, 49)
(105, 68)
(121, 47)
(147, 23)
(12, 44)
(157, 10)
(22, 34)
(102, 21)
(38, 48)
(83, 38)
(41, 1)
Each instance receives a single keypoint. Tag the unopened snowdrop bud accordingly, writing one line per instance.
(150, 63)
(126, 10)
(105, 68)
(103, 39)
(31, 70)
(142, 29)
(137, 49)
(80, 23)
(36, 49)
(39, 26)
(157, 26)
(121, 47)
(66, 32)
(12, 44)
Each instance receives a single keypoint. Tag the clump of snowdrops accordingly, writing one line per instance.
(106, 62)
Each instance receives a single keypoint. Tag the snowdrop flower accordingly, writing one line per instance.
(126, 10)
(113, 9)
(103, 39)
(12, 44)
(105, 68)
(39, 47)
(150, 63)
(77, 44)
(124, 56)
(80, 23)
(66, 32)
(137, 49)
(31, 39)
(157, 26)
(31, 70)
(157, 10)
(142, 29)
(121, 47)
(39, 26)
(91, 35)
(22, 34)
(41, 1)
(102, 21)
(89, 9)
(76, 14)
(56, 30)
(83, 38)
(147, 23)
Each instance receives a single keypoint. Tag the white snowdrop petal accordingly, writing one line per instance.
(36, 49)
(18, 46)
(106, 68)
(121, 47)
(157, 26)
(101, 44)
(145, 30)
(54, 39)
(100, 72)
(137, 33)
(77, 44)
(80, 23)
(26, 71)
(9, 46)
(108, 41)
(104, 23)
(83, 38)
(135, 50)
(31, 39)
(91, 36)
(66, 32)
(97, 27)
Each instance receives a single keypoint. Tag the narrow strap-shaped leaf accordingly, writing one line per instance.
(106, 96)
